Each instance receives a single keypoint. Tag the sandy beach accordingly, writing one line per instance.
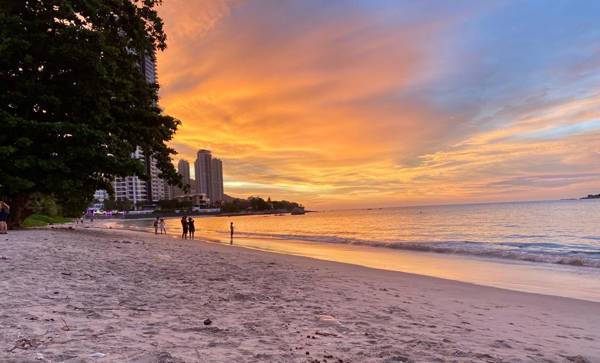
(99, 295)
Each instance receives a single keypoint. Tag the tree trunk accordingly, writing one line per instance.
(19, 211)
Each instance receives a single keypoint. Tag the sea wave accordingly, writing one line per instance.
(548, 252)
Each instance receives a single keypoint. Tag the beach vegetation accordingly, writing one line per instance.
(175, 204)
(41, 220)
(119, 205)
(75, 103)
(257, 204)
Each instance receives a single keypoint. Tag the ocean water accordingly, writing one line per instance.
(549, 247)
(563, 232)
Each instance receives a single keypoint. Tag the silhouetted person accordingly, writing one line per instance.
(184, 227)
(191, 227)
(231, 233)
(156, 226)
(4, 211)
(161, 226)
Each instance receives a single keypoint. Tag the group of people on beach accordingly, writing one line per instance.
(159, 226)
(187, 227)
(4, 211)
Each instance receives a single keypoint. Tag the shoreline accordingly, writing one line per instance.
(100, 295)
(573, 281)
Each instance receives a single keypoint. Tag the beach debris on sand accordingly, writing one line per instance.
(326, 334)
(157, 357)
(23, 343)
(398, 359)
(577, 359)
(327, 320)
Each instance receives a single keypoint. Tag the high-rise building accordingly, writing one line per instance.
(132, 187)
(192, 186)
(202, 167)
(148, 66)
(183, 168)
(216, 174)
(209, 176)
(100, 195)
(156, 184)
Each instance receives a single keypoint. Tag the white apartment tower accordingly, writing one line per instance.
(132, 187)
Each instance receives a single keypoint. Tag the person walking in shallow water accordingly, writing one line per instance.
(184, 227)
(231, 233)
(4, 211)
(191, 227)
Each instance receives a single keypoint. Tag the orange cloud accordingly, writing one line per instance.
(330, 110)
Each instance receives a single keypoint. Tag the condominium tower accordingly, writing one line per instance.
(132, 187)
(183, 168)
(216, 180)
(209, 176)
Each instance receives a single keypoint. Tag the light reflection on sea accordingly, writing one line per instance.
(544, 247)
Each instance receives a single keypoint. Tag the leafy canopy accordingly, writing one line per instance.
(74, 103)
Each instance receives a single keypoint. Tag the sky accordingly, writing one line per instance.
(375, 103)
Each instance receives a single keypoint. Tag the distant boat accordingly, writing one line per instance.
(298, 211)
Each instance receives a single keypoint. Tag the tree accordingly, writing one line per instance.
(111, 204)
(175, 204)
(258, 204)
(74, 104)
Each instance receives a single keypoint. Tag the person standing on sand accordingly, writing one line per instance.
(184, 227)
(4, 211)
(156, 226)
(231, 233)
(191, 227)
(161, 225)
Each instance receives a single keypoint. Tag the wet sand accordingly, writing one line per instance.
(98, 295)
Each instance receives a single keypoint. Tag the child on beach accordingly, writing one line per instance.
(161, 224)
(4, 211)
(191, 227)
(184, 227)
(156, 226)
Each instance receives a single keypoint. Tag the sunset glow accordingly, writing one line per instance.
(340, 104)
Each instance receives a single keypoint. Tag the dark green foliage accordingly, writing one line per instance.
(71, 205)
(235, 206)
(120, 205)
(44, 204)
(285, 205)
(175, 204)
(74, 104)
(40, 220)
(258, 204)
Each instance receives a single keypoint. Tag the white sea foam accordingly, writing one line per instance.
(560, 232)
(565, 254)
